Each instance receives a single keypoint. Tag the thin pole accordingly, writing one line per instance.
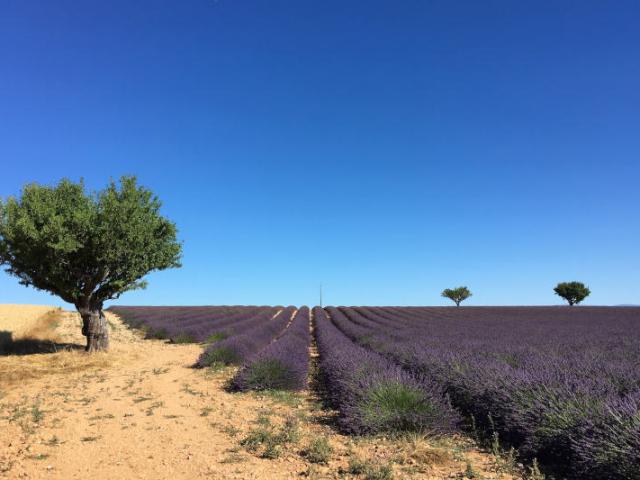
(320, 295)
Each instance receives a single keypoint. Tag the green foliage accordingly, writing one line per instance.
(285, 397)
(36, 414)
(470, 472)
(357, 466)
(220, 356)
(84, 247)
(183, 338)
(270, 440)
(39, 456)
(534, 472)
(272, 450)
(157, 333)
(319, 451)
(495, 444)
(216, 337)
(269, 374)
(458, 295)
(369, 470)
(255, 438)
(395, 407)
(572, 292)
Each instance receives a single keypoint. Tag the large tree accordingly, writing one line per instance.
(84, 247)
(458, 295)
(572, 292)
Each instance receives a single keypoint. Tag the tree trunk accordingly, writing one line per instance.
(96, 329)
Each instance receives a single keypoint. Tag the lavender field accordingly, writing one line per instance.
(558, 384)
(194, 324)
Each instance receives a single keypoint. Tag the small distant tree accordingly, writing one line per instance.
(572, 292)
(458, 295)
(86, 248)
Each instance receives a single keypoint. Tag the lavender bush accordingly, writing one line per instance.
(283, 364)
(194, 324)
(238, 348)
(373, 394)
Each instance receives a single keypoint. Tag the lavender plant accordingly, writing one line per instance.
(238, 348)
(198, 324)
(283, 364)
(373, 394)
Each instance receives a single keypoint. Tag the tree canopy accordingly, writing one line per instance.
(572, 292)
(458, 295)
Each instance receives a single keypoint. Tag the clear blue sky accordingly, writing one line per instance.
(386, 149)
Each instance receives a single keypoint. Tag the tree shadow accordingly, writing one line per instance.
(31, 346)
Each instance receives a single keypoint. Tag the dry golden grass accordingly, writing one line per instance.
(28, 347)
(413, 449)
(27, 328)
(45, 341)
(20, 319)
(31, 335)
(44, 327)
(18, 368)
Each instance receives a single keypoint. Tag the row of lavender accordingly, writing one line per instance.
(560, 384)
(371, 393)
(237, 349)
(194, 324)
(283, 364)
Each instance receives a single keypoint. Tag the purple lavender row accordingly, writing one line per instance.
(283, 364)
(183, 315)
(373, 394)
(229, 326)
(192, 324)
(237, 349)
(562, 386)
(170, 322)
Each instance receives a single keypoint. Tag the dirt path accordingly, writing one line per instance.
(142, 412)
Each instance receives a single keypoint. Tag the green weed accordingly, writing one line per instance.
(395, 407)
(369, 470)
(183, 338)
(319, 451)
(216, 337)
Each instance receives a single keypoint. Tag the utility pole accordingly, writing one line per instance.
(320, 295)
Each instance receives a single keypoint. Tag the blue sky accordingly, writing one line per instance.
(385, 149)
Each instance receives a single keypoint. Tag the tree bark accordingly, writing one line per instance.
(96, 329)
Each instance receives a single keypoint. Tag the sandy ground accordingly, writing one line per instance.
(141, 412)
